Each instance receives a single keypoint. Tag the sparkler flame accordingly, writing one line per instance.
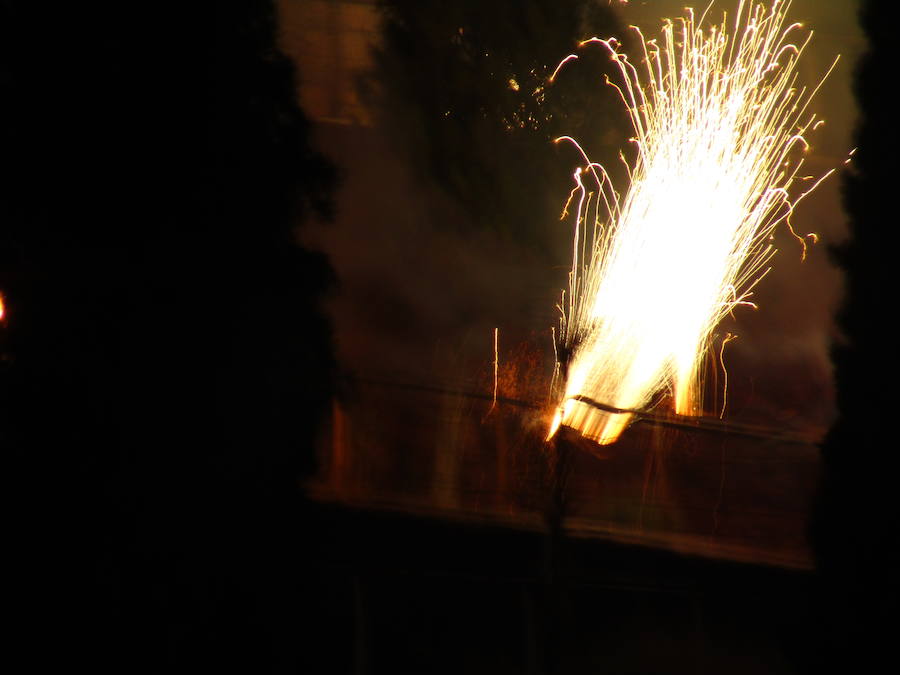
(719, 129)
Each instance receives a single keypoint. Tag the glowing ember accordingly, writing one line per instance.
(719, 130)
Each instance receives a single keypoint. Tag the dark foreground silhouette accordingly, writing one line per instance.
(855, 531)
(165, 360)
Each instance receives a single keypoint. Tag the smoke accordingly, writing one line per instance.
(419, 296)
(421, 290)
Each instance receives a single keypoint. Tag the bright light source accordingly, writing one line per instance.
(719, 128)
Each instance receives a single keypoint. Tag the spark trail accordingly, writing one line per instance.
(719, 124)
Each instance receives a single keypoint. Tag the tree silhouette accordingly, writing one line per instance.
(165, 359)
(463, 88)
(857, 512)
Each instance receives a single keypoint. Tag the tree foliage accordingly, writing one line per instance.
(463, 88)
(165, 359)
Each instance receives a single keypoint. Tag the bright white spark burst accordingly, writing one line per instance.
(719, 128)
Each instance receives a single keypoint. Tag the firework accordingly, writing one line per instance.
(719, 123)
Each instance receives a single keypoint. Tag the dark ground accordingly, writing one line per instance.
(402, 594)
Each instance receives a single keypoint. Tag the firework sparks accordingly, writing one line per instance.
(719, 126)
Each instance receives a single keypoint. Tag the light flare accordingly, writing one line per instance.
(719, 125)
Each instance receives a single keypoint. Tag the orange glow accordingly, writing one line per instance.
(719, 126)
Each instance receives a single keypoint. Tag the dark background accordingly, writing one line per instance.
(166, 361)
